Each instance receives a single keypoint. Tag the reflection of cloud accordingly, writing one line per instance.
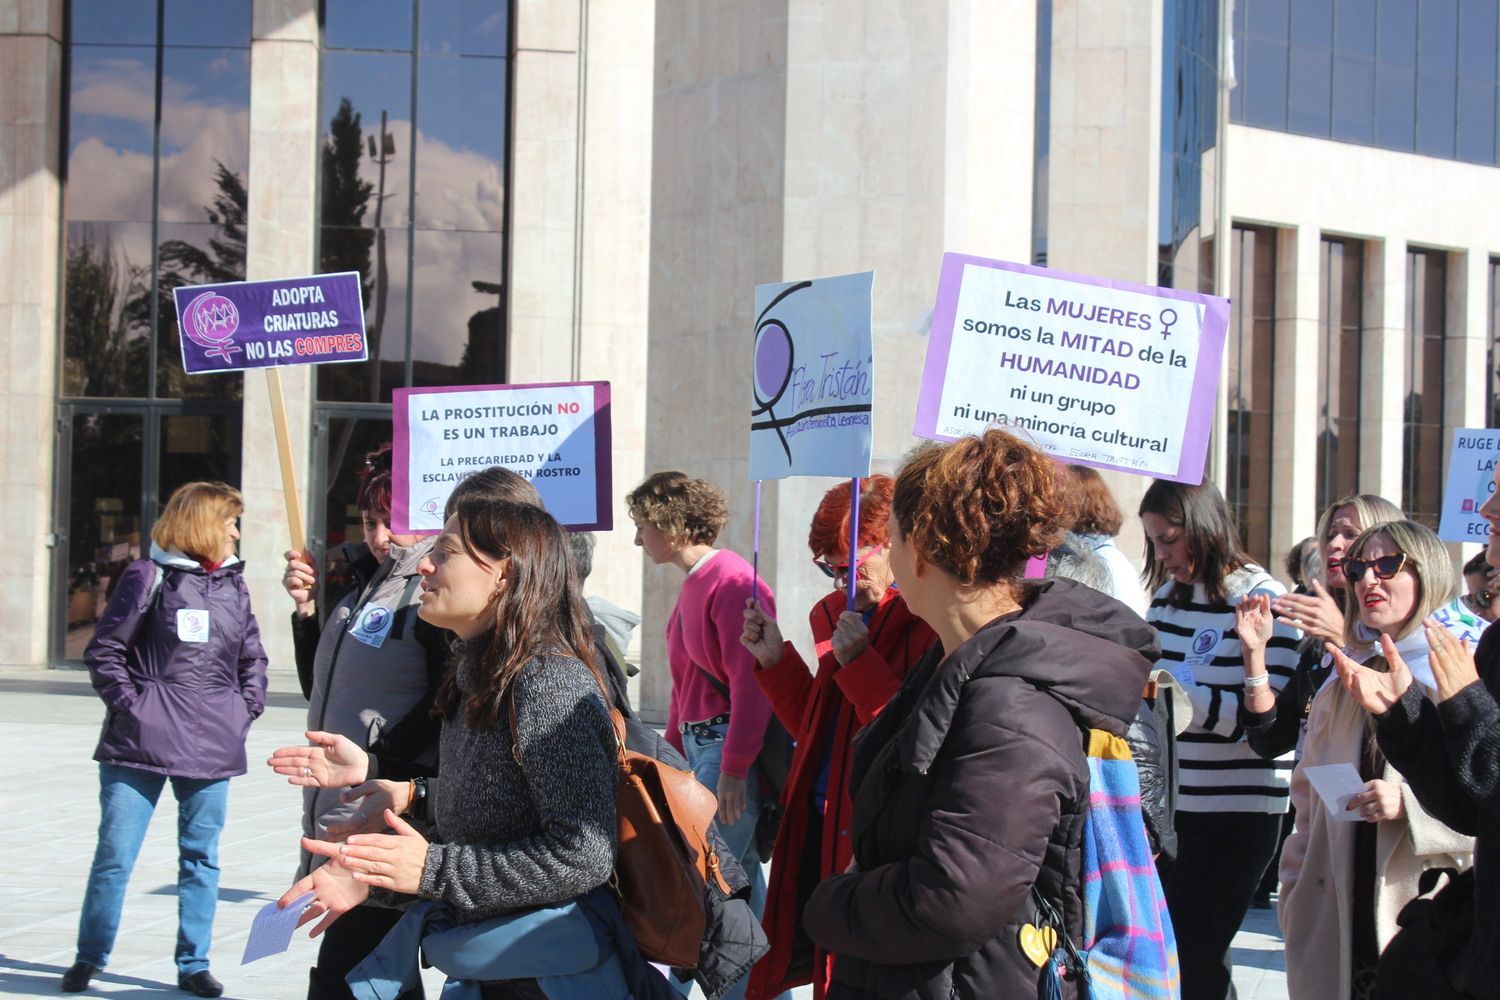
(110, 182)
(456, 188)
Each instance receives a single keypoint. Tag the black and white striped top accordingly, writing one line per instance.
(1218, 771)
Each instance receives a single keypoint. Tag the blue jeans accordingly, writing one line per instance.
(704, 755)
(127, 798)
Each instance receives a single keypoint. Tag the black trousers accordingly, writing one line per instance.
(346, 943)
(1220, 859)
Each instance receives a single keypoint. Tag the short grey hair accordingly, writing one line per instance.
(582, 543)
(1075, 559)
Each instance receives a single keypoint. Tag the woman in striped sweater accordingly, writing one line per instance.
(1230, 800)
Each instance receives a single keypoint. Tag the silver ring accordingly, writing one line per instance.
(307, 772)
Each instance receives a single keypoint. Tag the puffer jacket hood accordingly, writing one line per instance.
(1063, 624)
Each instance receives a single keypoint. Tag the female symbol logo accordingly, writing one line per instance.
(1168, 317)
(211, 321)
(773, 372)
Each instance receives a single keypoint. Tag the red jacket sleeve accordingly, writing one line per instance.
(788, 685)
(868, 682)
(750, 710)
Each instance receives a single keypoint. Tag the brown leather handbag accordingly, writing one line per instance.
(664, 857)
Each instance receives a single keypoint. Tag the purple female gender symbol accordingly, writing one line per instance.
(773, 362)
(210, 321)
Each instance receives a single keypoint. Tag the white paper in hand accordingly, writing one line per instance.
(1336, 784)
(271, 930)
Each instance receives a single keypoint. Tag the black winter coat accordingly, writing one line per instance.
(1450, 756)
(970, 788)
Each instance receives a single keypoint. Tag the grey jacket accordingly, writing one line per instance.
(375, 665)
(512, 835)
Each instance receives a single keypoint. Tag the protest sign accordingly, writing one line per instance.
(555, 434)
(812, 378)
(263, 324)
(1471, 472)
(1096, 372)
(236, 325)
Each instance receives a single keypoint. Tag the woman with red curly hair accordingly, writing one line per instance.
(862, 657)
(971, 787)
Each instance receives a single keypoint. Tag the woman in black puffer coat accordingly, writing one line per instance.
(971, 786)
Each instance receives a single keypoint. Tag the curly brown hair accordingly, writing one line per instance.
(688, 511)
(980, 507)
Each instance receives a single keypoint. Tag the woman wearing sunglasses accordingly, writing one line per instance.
(863, 655)
(1344, 879)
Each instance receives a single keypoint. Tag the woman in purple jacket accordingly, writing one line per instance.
(178, 661)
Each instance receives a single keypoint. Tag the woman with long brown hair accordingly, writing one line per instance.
(525, 811)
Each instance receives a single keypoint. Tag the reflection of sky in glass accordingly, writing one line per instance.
(112, 97)
(114, 22)
(462, 104)
(206, 22)
(373, 82)
(465, 27)
(201, 90)
(443, 298)
(367, 24)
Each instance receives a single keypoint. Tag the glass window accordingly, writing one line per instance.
(1249, 350)
(1267, 18)
(461, 143)
(113, 22)
(1477, 26)
(205, 22)
(111, 139)
(107, 309)
(1395, 106)
(1310, 75)
(1354, 28)
(1476, 120)
(155, 196)
(1265, 82)
(466, 27)
(1353, 99)
(367, 24)
(384, 286)
(1341, 296)
(1422, 439)
(414, 198)
(1396, 31)
(461, 338)
(205, 125)
(1436, 106)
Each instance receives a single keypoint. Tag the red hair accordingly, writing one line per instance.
(830, 525)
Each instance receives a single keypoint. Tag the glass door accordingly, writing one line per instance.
(118, 463)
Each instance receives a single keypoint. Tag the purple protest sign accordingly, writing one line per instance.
(1096, 372)
(262, 324)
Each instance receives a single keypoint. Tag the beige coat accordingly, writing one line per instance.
(1317, 863)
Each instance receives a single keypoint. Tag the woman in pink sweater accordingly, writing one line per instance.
(718, 713)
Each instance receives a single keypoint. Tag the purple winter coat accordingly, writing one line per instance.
(181, 693)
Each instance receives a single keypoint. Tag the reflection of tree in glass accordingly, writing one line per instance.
(483, 360)
(104, 341)
(345, 243)
(183, 263)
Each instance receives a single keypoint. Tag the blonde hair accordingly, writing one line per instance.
(688, 511)
(193, 520)
(1369, 508)
(1428, 560)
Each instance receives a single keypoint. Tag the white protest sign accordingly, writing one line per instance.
(812, 378)
(1471, 472)
(557, 435)
(1096, 372)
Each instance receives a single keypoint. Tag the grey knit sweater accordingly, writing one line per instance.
(519, 836)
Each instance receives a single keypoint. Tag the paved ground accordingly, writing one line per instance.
(48, 724)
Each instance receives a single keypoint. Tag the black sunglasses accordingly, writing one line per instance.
(1385, 567)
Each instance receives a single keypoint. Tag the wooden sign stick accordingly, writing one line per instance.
(284, 453)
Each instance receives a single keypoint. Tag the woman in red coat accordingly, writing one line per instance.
(862, 657)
